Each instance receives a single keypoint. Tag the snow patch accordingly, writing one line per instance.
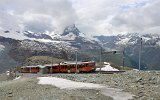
(107, 67)
(2, 47)
(135, 70)
(13, 35)
(67, 84)
(123, 41)
(116, 94)
(158, 43)
(69, 36)
(7, 73)
(17, 78)
(146, 39)
(47, 41)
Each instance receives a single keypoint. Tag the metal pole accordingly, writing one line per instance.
(123, 59)
(52, 60)
(30, 69)
(140, 50)
(100, 59)
(76, 63)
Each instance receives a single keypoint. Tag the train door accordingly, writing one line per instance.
(49, 69)
(69, 68)
(72, 68)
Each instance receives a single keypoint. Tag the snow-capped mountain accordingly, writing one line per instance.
(70, 33)
(71, 29)
(131, 44)
(118, 41)
(16, 46)
(19, 45)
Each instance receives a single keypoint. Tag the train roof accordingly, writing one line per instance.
(74, 62)
(29, 66)
(51, 65)
(40, 66)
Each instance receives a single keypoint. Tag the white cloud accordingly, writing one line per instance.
(143, 20)
(38, 15)
(111, 16)
(94, 17)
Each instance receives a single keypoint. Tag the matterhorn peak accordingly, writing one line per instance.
(71, 29)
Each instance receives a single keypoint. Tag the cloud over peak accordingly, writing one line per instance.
(93, 17)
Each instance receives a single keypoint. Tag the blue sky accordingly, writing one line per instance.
(93, 17)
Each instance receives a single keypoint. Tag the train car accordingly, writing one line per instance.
(64, 67)
(30, 69)
(52, 68)
(70, 67)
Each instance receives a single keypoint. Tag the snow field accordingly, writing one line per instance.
(116, 94)
(107, 67)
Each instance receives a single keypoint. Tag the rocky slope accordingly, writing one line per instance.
(130, 43)
(17, 46)
(143, 84)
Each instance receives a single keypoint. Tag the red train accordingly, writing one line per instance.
(64, 67)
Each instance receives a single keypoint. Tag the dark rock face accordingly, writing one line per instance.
(16, 52)
(71, 29)
(6, 61)
(6, 31)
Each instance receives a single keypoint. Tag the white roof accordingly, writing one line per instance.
(51, 65)
(74, 62)
(28, 66)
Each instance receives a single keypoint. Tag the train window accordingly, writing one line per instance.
(80, 66)
(91, 64)
(62, 66)
(48, 67)
(83, 65)
(27, 69)
(69, 67)
(54, 67)
(66, 66)
(72, 66)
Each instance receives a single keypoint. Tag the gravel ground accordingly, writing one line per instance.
(4, 77)
(145, 85)
(27, 89)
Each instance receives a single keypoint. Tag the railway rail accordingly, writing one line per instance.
(109, 72)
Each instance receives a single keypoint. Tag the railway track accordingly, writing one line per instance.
(102, 72)
(108, 72)
(95, 72)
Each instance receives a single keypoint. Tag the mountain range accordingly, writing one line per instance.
(17, 46)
